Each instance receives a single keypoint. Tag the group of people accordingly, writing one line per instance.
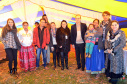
(101, 44)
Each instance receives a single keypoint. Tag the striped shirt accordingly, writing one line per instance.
(9, 41)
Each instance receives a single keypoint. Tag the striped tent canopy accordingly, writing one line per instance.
(57, 10)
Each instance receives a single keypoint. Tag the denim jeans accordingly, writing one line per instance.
(38, 56)
(48, 55)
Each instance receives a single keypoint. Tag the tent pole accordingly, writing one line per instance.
(24, 9)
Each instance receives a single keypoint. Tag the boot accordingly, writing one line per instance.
(11, 72)
(62, 68)
(67, 67)
(15, 70)
(59, 65)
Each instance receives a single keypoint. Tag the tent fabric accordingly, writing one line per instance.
(57, 10)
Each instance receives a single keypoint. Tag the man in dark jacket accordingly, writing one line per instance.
(77, 38)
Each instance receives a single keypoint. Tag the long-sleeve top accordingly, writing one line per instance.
(63, 38)
(53, 37)
(106, 26)
(45, 37)
(25, 39)
(74, 33)
(90, 38)
(99, 34)
(9, 41)
(116, 42)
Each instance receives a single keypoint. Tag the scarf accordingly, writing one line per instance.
(54, 34)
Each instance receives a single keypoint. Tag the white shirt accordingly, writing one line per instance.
(25, 39)
(54, 40)
(79, 38)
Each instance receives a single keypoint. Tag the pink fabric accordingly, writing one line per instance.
(88, 41)
(97, 38)
(27, 59)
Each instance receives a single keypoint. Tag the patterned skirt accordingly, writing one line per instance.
(27, 59)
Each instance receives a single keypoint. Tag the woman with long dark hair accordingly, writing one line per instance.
(63, 42)
(11, 43)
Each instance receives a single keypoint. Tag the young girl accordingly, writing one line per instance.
(90, 40)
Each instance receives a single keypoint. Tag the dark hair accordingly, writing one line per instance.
(106, 12)
(65, 22)
(97, 20)
(7, 28)
(37, 23)
(44, 15)
(52, 23)
(42, 19)
(114, 21)
(78, 15)
(25, 23)
(91, 24)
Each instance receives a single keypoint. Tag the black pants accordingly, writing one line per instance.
(64, 55)
(12, 55)
(80, 49)
(55, 53)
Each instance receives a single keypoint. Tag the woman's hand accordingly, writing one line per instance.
(46, 47)
(96, 40)
(109, 51)
(36, 47)
(60, 46)
(52, 48)
(91, 34)
(73, 46)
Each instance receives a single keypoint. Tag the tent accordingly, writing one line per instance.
(57, 10)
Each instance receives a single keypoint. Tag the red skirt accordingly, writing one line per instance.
(27, 59)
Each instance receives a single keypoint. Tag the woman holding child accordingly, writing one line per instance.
(95, 61)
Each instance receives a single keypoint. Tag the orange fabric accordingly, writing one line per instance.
(46, 38)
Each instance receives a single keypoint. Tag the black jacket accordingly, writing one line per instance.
(74, 32)
(62, 40)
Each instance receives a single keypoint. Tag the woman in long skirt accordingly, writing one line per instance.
(27, 59)
(95, 64)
